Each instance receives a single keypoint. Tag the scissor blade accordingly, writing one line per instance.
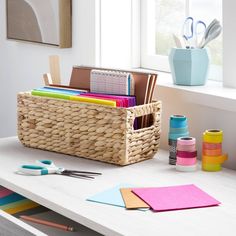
(81, 172)
(78, 176)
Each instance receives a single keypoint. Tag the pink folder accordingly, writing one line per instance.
(5, 192)
(175, 197)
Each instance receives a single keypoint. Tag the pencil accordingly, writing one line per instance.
(48, 223)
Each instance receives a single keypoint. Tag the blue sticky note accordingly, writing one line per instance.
(111, 196)
(10, 199)
(59, 90)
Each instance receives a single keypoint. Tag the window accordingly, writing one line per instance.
(163, 18)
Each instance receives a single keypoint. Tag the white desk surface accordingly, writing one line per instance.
(67, 195)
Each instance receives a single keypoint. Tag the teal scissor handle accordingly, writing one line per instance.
(33, 170)
(45, 163)
(43, 167)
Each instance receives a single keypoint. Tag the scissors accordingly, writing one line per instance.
(191, 31)
(45, 167)
(212, 31)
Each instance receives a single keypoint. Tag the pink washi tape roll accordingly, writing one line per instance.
(189, 148)
(186, 141)
(186, 161)
(187, 144)
(186, 154)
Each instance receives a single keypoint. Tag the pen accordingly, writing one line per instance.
(48, 223)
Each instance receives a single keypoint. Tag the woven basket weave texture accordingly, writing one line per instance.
(86, 130)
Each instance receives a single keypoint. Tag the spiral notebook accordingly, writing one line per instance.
(111, 82)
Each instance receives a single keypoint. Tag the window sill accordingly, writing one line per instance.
(213, 94)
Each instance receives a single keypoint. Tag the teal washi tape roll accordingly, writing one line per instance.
(178, 130)
(178, 121)
(176, 136)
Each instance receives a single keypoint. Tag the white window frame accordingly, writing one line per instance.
(149, 59)
(137, 49)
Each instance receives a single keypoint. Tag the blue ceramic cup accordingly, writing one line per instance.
(189, 66)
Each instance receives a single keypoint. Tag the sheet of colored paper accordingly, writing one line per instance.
(131, 200)
(129, 101)
(57, 90)
(119, 102)
(50, 94)
(110, 196)
(93, 100)
(175, 197)
(5, 192)
(22, 207)
(11, 198)
(14, 204)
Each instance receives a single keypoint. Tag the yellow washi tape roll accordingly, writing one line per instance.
(214, 159)
(213, 136)
(211, 167)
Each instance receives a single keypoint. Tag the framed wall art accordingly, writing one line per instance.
(40, 21)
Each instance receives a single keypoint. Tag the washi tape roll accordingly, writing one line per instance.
(178, 121)
(172, 161)
(186, 154)
(176, 136)
(172, 142)
(186, 161)
(172, 148)
(213, 136)
(188, 148)
(211, 146)
(178, 130)
(211, 167)
(187, 144)
(184, 141)
(172, 152)
(186, 168)
(173, 155)
(214, 159)
(213, 152)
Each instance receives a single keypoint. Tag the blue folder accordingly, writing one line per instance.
(59, 90)
(11, 198)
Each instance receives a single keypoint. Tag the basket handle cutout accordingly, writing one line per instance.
(146, 116)
(143, 122)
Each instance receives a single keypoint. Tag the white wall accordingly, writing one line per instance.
(200, 117)
(22, 64)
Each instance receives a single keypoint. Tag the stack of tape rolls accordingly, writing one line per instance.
(178, 128)
(186, 154)
(212, 156)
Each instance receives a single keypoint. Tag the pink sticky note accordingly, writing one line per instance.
(5, 192)
(175, 197)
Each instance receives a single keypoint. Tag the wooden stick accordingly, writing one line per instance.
(47, 79)
(54, 65)
(48, 223)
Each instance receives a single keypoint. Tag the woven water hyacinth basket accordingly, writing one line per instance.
(86, 130)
